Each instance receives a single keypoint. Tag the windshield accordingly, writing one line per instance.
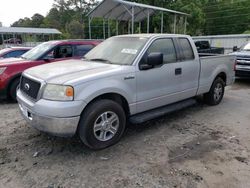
(38, 51)
(246, 47)
(117, 50)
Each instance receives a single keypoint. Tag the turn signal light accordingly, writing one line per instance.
(69, 92)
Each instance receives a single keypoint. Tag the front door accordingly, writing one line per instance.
(159, 86)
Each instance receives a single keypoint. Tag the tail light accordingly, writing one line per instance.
(235, 63)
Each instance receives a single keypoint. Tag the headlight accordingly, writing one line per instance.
(58, 92)
(2, 69)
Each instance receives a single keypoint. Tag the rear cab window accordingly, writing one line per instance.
(186, 49)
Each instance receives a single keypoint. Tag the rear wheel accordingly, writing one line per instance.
(102, 124)
(13, 88)
(216, 92)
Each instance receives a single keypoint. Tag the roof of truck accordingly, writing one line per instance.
(151, 35)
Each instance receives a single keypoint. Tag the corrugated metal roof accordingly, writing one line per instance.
(118, 10)
(29, 30)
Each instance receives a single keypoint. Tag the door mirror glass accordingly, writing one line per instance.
(155, 59)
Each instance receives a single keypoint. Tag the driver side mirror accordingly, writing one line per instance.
(153, 59)
(48, 59)
(235, 49)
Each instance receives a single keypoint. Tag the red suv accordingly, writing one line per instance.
(48, 52)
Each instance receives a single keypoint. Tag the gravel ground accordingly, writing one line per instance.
(201, 146)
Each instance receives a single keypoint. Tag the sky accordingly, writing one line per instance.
(13, 10)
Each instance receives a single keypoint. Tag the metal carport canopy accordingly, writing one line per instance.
(121, 10)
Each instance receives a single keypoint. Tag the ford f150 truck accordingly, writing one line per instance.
(48, 52)
(243, 61)
(126, 78)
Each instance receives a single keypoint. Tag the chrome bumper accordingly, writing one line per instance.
(64, 125)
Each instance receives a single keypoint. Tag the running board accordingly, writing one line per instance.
(151, 114)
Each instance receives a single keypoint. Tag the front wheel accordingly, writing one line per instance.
(216, 92)
(13, 89)
(102, 124)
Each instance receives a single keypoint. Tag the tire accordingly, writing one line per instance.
(102, 124)
(13, 89)
(216, 92)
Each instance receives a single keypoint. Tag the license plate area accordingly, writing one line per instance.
(25, 112)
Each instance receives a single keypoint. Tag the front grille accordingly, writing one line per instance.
(29, 87)
(243, 60)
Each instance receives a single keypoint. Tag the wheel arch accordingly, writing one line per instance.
(120, 99)
(12, 79)
(223, 76)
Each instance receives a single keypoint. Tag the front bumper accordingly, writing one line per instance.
(53, 117)
(242, 71)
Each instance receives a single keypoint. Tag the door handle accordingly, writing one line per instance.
(178, 71)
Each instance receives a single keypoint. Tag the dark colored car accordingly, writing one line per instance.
(204, 47)
(243, 61)
(13, 52)
(48, 52)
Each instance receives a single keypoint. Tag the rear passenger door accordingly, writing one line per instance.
(190, 68)
(160, 85)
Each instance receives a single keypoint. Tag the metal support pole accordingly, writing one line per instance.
(104, 30)
(2, 37)
(117, 27)
(161, 22)
(108, 28)
(139, 27)
(174, 23)
(132, 21)
(185, 25)
(128, 27)
(148, 23)
(89, 28)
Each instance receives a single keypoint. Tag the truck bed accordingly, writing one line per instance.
(212, 65)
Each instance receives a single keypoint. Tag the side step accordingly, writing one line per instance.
(151, 114)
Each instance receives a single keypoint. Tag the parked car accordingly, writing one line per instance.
(132, 77)
(13, 52)
(48, 52)
(204, 47)
(243, 61)
(12, 41)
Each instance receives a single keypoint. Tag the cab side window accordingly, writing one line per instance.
(63, 51)
(166, 47)
(186, 48)
(81, 50)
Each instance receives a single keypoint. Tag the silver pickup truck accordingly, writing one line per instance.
(126, 78)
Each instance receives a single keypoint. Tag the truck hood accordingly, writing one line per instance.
(10, 61)
(242, 54)
(72, 71)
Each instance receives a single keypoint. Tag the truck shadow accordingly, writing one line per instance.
(241, 83)
(7, 101)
